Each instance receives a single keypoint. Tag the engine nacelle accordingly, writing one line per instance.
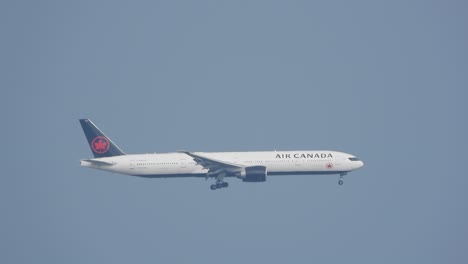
(253, 174)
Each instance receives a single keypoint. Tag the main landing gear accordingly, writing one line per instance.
(340, 182)
(219, 185)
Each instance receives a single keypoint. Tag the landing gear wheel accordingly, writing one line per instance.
(225, 184)
(340, 182)
(213, 187)
(219, 185)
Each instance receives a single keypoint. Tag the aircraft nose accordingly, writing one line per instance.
(361, 164)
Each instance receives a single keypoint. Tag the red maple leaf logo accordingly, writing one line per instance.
(100, 145)
(329, 165)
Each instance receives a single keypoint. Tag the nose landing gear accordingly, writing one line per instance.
(340, 182)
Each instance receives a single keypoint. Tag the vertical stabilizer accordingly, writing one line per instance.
(100, 144)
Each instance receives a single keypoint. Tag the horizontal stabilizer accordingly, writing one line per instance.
(96, 162)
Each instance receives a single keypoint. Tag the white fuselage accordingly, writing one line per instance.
(161, 165)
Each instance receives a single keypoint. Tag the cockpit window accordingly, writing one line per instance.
(353, 159)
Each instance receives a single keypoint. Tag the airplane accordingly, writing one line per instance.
(251, 166)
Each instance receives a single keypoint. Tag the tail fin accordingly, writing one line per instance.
(101, 145)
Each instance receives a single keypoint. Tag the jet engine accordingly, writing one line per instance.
(253, 174)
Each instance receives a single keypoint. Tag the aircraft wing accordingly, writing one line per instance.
(213, 164)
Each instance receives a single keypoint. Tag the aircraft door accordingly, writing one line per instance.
(183, 164)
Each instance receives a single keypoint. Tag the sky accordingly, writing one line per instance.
(383, 80)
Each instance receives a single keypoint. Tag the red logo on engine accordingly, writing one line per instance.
(329, 165)
(100, 145)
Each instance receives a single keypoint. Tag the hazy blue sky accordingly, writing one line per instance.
(384, 80)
